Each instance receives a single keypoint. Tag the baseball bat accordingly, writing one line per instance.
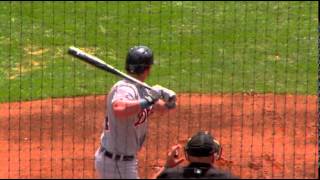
(103, 65)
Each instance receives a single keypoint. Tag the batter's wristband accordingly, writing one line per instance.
(145, 104)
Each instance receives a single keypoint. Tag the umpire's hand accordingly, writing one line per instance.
(173, 157)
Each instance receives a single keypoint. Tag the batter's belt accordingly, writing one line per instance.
(116, 157)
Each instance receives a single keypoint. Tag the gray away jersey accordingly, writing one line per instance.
(125, 136)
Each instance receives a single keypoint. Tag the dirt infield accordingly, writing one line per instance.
(263, 136)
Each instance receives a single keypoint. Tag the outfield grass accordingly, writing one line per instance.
(208, 47)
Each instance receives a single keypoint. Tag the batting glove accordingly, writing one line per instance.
(171, 104)
(152, 97)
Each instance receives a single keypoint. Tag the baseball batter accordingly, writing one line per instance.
(125, 128)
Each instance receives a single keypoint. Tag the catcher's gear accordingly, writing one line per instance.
(167, 95)
(203, 145)
(139, 58)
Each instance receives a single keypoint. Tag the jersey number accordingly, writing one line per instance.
(142, 117)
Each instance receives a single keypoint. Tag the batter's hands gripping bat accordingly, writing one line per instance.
(106, 67)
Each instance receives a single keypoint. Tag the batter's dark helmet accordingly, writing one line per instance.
(139, 58)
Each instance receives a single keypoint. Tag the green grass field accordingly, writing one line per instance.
(208, 47)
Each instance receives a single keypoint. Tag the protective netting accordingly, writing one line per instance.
(244, 71)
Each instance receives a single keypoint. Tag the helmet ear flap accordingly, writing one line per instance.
(130, 68)
(136, 69)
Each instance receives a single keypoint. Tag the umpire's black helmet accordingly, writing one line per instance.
(202, 145)
(139, 58)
